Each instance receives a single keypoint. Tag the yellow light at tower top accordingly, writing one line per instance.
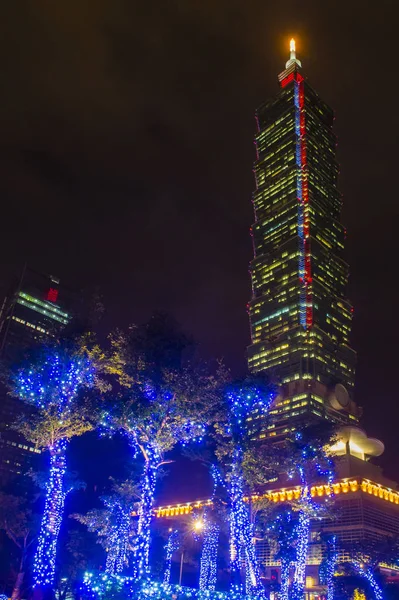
(292, 45)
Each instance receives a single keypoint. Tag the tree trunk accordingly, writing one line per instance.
(368, 574)
(331, 562)
(241, 545)
(43, 592)
(141, 552)
(298, 588)
(285, 579)
(209, 555)
(16, 592)
(44, 561)
(119, 540)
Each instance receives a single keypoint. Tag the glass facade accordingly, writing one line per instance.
(30, 314)
(299, 315)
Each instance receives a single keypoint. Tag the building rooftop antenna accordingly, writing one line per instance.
(293, 59)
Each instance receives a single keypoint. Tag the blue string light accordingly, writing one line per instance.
(103, 587)
(153, 427)
(302, 533)
(284, 531)
(171, 546)
(332, 557)
(313, 462)
(209, 554)
(44, 561)
(141, 548)
(241, 546)
(52, 385)
(367, 573)
(244, 401)
(118, 540)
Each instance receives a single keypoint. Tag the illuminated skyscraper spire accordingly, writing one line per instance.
(293, 59)
(300, 316)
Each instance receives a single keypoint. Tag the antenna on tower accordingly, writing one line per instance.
(293, 59)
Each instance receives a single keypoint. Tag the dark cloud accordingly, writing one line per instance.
(126, 154)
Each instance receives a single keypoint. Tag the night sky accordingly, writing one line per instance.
(126, 159)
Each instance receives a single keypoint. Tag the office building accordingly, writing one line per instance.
(31, 312)
(299, 314)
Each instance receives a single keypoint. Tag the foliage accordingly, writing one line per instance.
(21, 526)
(114, 525)
(366, 556)
(45, 429)
(72, 561)
(51, 382)
(172, 545)
(243, 399)
(18, 520)
(162, 399)
(103, 587)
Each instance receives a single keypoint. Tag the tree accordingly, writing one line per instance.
(163, 400)
(305, 459)
(20, 525)
(282, 536)
(209, 553)
(72, 562)
(328, 564)
(311, 462)
(366, 558)
(51, 381)
(172, 545)
(244, 398)
(114, 524)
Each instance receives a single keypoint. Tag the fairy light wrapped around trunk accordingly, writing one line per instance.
(209, 554)
(118, 538)
(327, 567)
(313, 463)
(44, 561)
(244, 399)
(151, 434)
(51, 383)
(368, 574)
(303, 528)
(171, 546)
(141, 549)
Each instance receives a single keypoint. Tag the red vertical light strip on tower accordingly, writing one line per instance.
(306, 252)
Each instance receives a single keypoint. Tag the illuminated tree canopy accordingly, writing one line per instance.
(51, 382)
(163, 399)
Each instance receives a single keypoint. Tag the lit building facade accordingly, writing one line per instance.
(300, 325)
(30, 313)
(366, 509)
(299, 315)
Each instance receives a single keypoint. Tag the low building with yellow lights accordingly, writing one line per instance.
(366, 506)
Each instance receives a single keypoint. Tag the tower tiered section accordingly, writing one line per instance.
(299, 314)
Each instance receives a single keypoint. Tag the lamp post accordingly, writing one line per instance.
(198, 526)
(181, 566)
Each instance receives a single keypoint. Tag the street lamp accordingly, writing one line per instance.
(197, 526)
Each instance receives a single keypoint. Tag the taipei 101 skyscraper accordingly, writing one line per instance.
(299, 314)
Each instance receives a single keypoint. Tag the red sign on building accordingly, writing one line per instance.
(52, 295)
